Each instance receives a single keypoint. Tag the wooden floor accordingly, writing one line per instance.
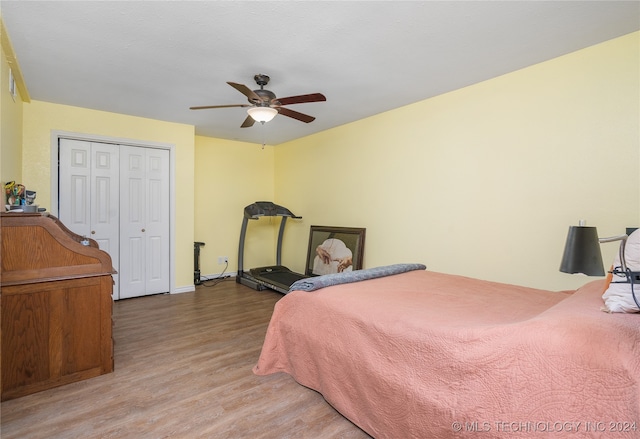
(182, 370)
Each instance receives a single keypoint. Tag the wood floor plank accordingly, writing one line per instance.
(182, 370)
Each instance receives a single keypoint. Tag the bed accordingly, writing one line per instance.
(422, 354)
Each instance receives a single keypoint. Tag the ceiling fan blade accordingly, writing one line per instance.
(248, 122)
(253, 97)
(313, 97)
(296, 115)
(219, 106)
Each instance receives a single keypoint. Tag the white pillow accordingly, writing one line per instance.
(617, 297)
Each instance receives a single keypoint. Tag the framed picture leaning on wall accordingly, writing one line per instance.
(334, 250)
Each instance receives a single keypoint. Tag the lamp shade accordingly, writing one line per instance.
(582, 252)
(262, 114)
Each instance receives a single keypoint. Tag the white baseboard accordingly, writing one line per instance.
(185, 289)
(203, 278)
(216, 276)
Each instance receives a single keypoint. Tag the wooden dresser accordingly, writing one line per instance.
(56, 306)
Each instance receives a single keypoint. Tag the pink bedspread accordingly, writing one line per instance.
(429, 355)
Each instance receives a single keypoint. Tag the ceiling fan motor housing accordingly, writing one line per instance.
(266, 95)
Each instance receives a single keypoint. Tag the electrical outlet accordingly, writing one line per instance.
(223, 260)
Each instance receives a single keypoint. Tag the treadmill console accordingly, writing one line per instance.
(266, 208)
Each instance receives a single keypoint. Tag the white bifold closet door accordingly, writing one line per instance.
(144, 221)
(119, 196)
(88, 194)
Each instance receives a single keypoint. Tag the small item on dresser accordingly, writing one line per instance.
(8, 189)
(30, 197)
(29, 208)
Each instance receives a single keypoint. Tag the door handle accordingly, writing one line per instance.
(143, 230)
(93, 232)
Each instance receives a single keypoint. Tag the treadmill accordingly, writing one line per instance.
(276, 277)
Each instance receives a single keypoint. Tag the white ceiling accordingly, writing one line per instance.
(156, 59)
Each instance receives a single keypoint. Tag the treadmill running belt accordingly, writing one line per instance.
(277, 274)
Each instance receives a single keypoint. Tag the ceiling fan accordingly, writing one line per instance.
(264, 106)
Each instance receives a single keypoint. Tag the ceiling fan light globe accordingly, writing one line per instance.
(262, 114)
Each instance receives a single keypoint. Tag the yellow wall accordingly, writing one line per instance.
(40, 118)
(483, 181)
(10, 123)
(230, 175)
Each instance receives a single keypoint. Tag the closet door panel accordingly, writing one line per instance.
(157, 224)
(144, 225)
(79, 206)
(132, 222)
(136, 266)
(74, 186)
(88, 199)
(105, 203)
